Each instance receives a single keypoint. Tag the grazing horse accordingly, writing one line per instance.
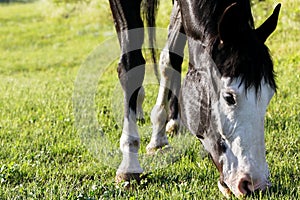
(225, 93)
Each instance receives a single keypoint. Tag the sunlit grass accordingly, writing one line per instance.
(41, 155)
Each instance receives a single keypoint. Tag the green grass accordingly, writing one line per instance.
(41, 151)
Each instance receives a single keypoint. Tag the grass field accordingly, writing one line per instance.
(42, 154)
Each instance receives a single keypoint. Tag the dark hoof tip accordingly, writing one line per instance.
(128, 180)
(159, 150)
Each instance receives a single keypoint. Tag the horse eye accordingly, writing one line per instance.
(229, 98)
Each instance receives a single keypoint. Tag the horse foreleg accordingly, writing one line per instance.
(170, 67)
(131, 69)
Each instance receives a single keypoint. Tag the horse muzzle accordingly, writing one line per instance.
(243, 186)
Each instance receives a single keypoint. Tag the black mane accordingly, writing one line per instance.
(209, 12)
(247, 57)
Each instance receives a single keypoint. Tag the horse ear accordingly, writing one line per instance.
(231, 23)
(265, 30)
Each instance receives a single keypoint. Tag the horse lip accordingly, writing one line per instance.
(224, 184)
(251, 189)
(224, 189)
(262, 187)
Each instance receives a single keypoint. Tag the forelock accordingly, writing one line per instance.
(248, 59)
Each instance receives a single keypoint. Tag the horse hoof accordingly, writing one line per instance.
(128, 178)
(172, 127)
(159, 150)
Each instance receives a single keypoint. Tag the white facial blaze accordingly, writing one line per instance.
(243, 133)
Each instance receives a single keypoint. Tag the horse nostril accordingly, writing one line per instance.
(245, 186)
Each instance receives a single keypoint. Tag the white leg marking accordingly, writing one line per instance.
(159, 138)
(159, 112)
(129, 145)
(166, 71)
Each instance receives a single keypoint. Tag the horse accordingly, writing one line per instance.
(224, 95)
